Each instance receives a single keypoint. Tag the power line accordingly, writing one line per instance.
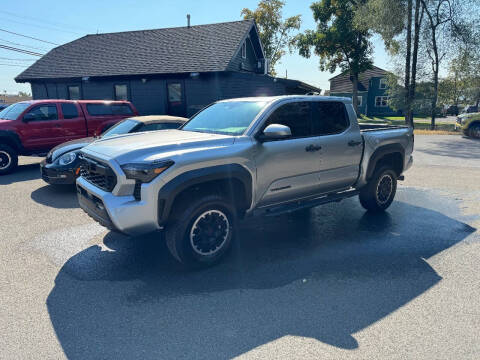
(30, 18)
(28, 37)
(16, 59)
(22, 45)
(28, 52)
(42, 26)
(24, 66)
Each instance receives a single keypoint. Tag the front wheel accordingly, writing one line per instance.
(8, 159)
(202, 231)
(474, 131)
(380, 191)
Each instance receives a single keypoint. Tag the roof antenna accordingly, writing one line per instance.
(188, 20)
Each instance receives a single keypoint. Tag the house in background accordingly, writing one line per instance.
(175, 71)
(372, 91)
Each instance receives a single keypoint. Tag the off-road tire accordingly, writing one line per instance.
(183, 233)
(474, 131)
(8, 159)
(380, 191)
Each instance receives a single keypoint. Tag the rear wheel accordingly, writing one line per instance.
(8, 159)
(380, 191)
(202, 231)
(474, 131)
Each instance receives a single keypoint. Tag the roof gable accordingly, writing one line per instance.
(342, 82)
(201, 48)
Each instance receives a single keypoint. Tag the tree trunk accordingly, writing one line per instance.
(416, 40)
(355, 93)
(434, 98)
(408, 104)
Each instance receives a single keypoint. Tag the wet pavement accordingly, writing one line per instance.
(334, 282)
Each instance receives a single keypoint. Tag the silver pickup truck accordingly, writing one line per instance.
(238, 158)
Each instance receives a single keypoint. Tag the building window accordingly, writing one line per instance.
(121, 92)
(383, 83)
(381, 101)
(244, 49)
(174, 92)
(73, 92)
(359, 99)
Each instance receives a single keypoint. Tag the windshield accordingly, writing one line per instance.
(123, 127)
(13, 111)
(228, 118)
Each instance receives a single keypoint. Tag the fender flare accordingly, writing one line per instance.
(168, 192)
(12, 138)
(380, 153)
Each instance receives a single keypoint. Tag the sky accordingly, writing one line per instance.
(63, 21)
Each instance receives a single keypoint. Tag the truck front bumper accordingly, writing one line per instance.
(118, 213)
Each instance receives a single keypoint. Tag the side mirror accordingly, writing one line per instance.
(28, 117)
(276, 132)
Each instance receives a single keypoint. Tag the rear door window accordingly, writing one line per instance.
(329, 117)
(295, 115)
(69, 111)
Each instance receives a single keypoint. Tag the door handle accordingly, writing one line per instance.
(312, 148)
(58, 125)
(354, 143)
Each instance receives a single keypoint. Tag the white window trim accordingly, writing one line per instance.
(244, 50)
(359, 100)
(382, 98)
(383, 84)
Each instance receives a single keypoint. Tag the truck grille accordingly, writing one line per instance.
(98, 174)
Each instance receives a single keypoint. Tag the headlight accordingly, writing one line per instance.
(68, 158)
(145, 172)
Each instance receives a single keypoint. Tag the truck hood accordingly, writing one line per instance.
(73, 145)
(4, 123)
(155, 145)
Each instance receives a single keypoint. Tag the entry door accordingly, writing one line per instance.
(341, 144)
(42, 128)
(176, 98)
(288, 169)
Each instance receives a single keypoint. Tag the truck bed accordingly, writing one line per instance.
(377, 127)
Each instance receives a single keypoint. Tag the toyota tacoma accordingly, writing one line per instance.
(238, 158)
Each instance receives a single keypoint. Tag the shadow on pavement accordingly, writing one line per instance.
(456, 147)
(22, 173)
(56, 196)
(325, 275)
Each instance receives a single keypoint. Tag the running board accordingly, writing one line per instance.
(304, 204)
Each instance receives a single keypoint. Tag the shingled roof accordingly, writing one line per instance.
(201, 48)
(342, 83)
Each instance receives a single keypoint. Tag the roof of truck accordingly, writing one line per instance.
(300, 97)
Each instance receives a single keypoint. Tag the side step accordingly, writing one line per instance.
(303, 204)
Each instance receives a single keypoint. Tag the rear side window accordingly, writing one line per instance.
(69, 111)
(329, 117)
(121, 109)
(296, 116)
(99, 109)
(42, 113)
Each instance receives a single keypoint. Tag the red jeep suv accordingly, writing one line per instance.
(35, 127)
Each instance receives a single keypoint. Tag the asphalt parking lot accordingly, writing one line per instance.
(338, 283)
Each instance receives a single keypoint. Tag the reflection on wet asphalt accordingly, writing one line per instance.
(324, 274)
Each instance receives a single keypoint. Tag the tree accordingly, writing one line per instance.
(275, 32)
(23, 94)
(338, 41)
(399, 23)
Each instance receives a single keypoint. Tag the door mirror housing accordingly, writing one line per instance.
(275, 132)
